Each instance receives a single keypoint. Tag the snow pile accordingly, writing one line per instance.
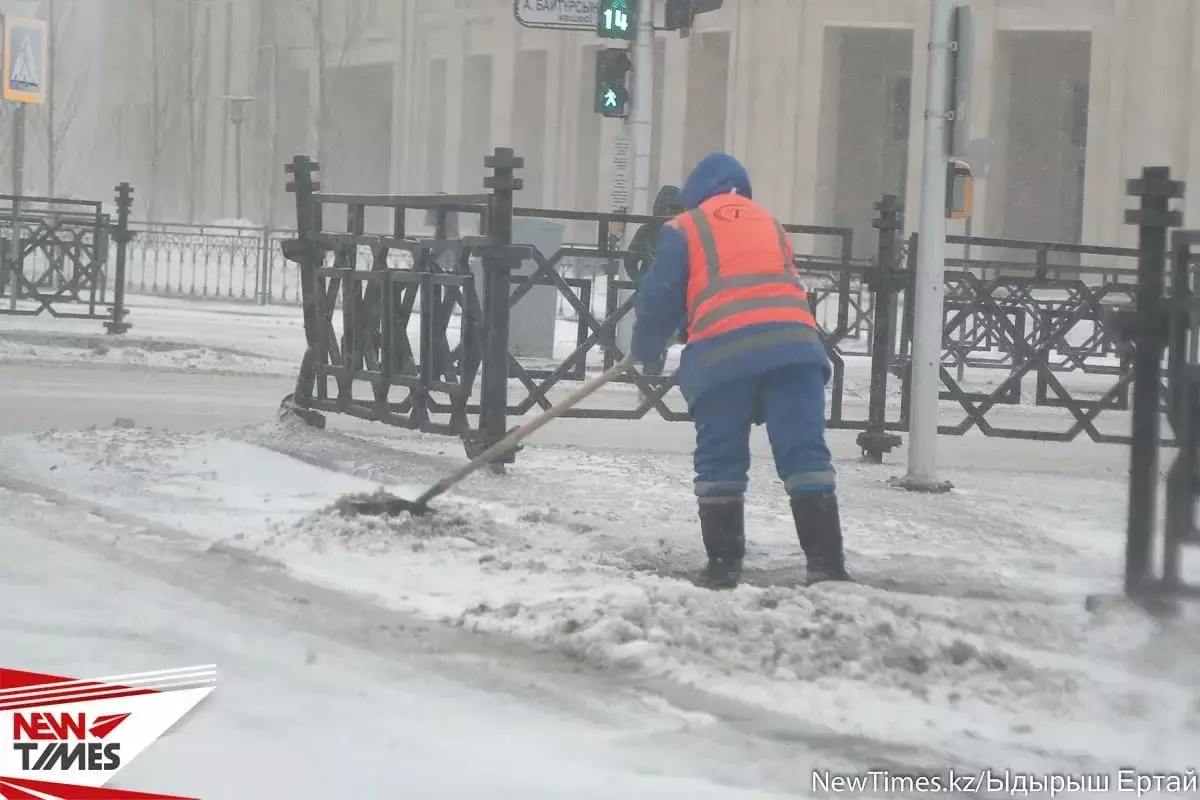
(783, 635)
(27, 347)
(337, 526)
(463, 556)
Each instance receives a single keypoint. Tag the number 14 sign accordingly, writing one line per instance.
(616, 19)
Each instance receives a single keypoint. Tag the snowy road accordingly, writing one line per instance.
(81, 395)
(53, 396)
(321, 696)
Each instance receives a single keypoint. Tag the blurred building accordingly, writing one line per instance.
(822, 99)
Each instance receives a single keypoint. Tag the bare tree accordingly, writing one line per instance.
(6, 149)
(161, 70)
(268, 115)
(196, 27)
(58, 113)
(337, 28)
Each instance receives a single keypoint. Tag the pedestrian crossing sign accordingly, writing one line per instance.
(25, 56)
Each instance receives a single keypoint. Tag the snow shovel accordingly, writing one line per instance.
(391, 505)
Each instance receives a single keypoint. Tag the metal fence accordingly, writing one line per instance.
(443, 333)
(215, 262)
(1029, 349)
(1164, 319)
(68, 253)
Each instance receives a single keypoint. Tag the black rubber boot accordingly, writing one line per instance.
(819, 529)
(724, 529)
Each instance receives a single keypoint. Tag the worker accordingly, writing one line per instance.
(753, 356)
(667, 203)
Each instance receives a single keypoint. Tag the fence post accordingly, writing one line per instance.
(1147, 328)
(264, 266)
(122, 236)
(498, 263)
(306, 252)
(883, 281)
(1183, 411)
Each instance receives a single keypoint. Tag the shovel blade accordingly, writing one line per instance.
(381, 505)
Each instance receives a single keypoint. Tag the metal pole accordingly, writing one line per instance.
(641, 115)
(237, 164)
(929, 283)
(641, 108)
(18, 181)
(226, 86)
(1153, 218)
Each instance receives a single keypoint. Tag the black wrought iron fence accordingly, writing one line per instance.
(1164, 319)
(355, 366)
(1028, 349)
(68, 251)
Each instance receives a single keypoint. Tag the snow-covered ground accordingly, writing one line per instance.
(167, 333)
(968, 643)
(322, 696)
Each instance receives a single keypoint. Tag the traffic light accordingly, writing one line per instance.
(960, 190)
(616, 19)
(612, 93)
(680, 14)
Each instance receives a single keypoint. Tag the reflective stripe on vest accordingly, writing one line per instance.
(775, 292)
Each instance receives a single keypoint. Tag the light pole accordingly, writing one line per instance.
(929, 281)
(237, 115)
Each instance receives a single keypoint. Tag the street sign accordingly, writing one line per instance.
(622, 157)
(616, 19)
(563, 15)
(25, 57)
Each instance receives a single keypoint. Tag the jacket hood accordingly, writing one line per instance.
(716, 174)
(669, 197)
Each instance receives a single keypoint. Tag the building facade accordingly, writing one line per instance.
(822, 99)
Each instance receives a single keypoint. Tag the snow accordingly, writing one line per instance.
(34, 347)
(168, 334)
(309, 705)
(967, 643)
(235, 223)
(973, 661)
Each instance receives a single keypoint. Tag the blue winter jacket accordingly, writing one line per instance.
(661, 304)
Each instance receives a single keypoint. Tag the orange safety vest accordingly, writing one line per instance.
(740, 269)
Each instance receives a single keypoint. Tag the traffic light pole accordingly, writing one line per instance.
(929, 282)
(638, 123)
(641, 108)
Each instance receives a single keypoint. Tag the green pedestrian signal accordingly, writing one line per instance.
(611, 87)
(616, 19)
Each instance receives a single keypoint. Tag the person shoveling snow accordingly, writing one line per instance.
(753, 356)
